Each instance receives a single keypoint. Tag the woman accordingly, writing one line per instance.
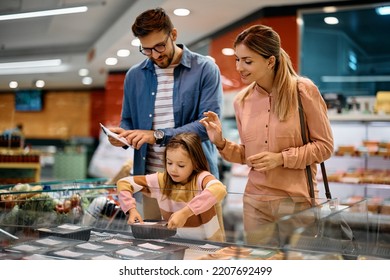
(187, 193)
(269, 127)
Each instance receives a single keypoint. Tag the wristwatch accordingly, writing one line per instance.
(159, 136)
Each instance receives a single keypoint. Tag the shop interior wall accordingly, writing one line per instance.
(113, 98)
(64, 115)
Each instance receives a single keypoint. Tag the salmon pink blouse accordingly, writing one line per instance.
(260, 130)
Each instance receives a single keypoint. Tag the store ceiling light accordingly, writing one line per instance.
(87, 81)
(31, 63)
(111, 61)
(45, 13)
(33, 66)
(13, 84)
(331, 20)
(330, 9)
(123, 53)
(383, 11)
(181, 12)
(135, 42)
(228, 51)
(40, 83)
(35, 70)
(83, 72)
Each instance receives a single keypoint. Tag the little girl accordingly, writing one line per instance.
(188, 194)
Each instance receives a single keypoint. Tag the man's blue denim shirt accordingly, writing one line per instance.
(197, 89)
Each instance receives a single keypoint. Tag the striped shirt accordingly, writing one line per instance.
(203, 195)
(163, 115)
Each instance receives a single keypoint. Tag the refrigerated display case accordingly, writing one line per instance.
(82, 220)
(345, 232)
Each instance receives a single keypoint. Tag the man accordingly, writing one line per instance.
(166, 94)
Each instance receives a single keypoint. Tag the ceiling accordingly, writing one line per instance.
(85, 40)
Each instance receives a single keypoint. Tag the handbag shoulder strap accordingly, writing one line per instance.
(302, 119)
(305, 141)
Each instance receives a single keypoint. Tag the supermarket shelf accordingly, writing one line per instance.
(359, 117)
(23, 165)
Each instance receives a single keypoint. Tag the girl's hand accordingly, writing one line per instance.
(214, 128)
(134, 216)
(179, 218)
(265, 161)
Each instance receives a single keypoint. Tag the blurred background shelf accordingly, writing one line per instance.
(19, 172)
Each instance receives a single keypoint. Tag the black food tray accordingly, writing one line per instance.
(67, 231)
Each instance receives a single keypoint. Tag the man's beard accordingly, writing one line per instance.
(165, 62)
(170, 57)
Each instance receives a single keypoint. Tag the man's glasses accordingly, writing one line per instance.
(158, 48)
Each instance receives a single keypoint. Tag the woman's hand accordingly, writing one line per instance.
(214, 128)
(134, 216)
(265, 161)
(179, 218)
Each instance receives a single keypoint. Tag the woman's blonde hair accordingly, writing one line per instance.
(265, 41)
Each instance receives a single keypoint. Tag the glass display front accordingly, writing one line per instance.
(86, 214)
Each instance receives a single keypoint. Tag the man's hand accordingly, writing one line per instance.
(137, 137)
(113, 141)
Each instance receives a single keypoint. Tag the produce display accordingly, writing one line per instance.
(24, 205)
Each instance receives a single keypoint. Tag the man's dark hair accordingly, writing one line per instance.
(150, 21)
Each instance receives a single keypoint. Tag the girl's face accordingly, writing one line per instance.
(251, 66)
(179, 165)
